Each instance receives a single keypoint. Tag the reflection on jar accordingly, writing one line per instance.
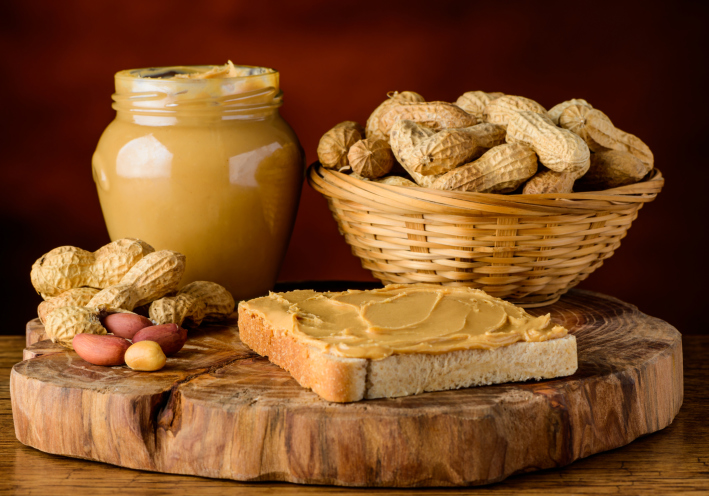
(99, 173)
(144, 157)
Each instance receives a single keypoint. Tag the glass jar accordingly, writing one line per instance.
(206, 166)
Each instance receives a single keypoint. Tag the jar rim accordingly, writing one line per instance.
(141, 74)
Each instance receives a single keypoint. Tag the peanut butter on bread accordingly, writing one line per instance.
(421, 318)
(402, 340)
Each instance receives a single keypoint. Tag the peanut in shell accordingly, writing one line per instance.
(474, 102)
(549, 181)
(501, 110)
(435, 115)
(556, 111)
(154, 276)
(405, 137)
(600, 134)
(336, 143)
(372, 125)
(500, 170)
(69, 267)
(558, 149)
(397, 181)
(425, 152)
(442, 152)
(66, 322)
(371, 158)
(198, 301)
(612, 169)
(77, 297)
(485, 136)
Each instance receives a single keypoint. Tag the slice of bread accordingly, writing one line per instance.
(342, 379)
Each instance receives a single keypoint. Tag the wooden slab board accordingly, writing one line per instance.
(219, 410)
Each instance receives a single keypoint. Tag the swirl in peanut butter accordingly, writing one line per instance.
(399, 319)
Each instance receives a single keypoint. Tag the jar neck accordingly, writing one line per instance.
(162, 102)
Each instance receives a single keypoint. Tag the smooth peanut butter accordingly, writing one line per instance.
(198, 160)
(397, 319)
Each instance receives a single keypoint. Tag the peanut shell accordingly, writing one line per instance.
(406, 136)
(66, 322)
(176, 309)
(372, 125)
(352, 125)
(600, 134)
(219, 303)
(441, 152)
(611, 169)
(77, 297)
(357, 176)
(335, 143)
(436, 115)
(197, 301)
(151, 278)
(474, 102)
(558, 149)
(485, 136)
(555, 112)
(500, 170)
(371, 158)
(397, 181)
(501, 110)
(549, 181)
(69, 267)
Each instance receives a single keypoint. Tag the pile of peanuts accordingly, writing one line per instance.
(487, 143)
(88, 295)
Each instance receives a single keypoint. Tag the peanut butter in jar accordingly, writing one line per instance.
(199, 160)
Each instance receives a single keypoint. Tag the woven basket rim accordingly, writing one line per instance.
(401, 199)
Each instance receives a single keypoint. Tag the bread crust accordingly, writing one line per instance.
(333, 378)
(341, 379)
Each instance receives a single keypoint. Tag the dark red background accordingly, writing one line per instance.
(643, 64)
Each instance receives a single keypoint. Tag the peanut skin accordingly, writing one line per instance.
(100, 349)
(125, 325)
(170, 337)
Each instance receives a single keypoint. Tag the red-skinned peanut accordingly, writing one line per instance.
(170, 337)
(125, 325)
(101, 349)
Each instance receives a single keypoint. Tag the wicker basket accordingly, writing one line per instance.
(529, 249)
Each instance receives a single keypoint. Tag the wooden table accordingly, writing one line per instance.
(675, 460)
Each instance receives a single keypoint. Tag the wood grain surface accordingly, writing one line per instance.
(217, 410)
(672, 461)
